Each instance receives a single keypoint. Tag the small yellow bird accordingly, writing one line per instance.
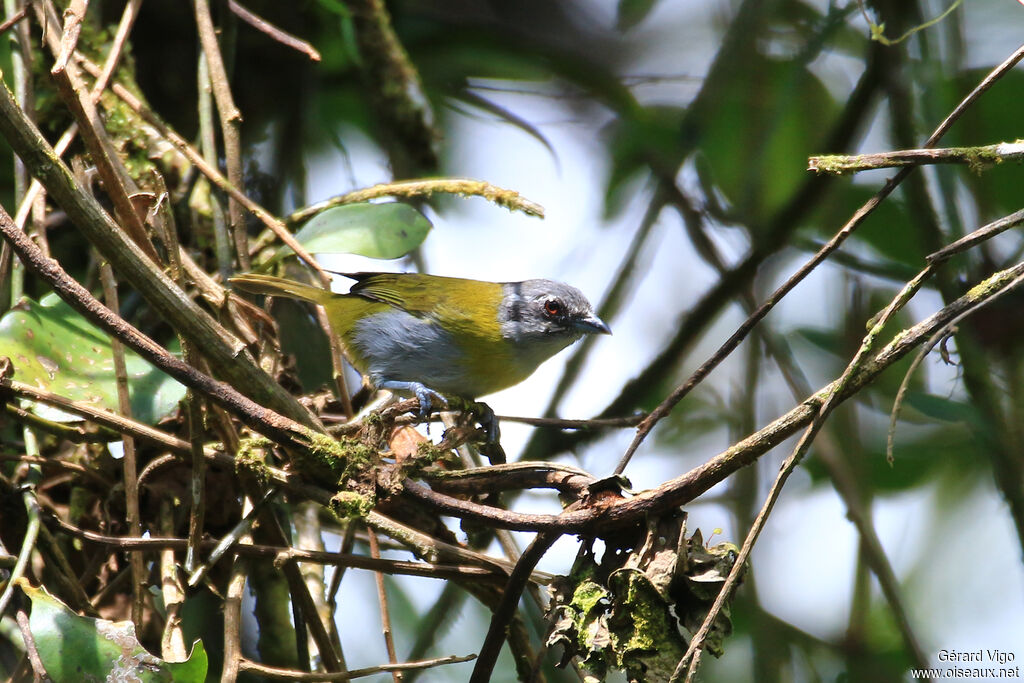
(429, 336)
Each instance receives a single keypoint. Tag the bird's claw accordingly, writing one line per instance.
(489, 421)
(424, 394)
(426, 397)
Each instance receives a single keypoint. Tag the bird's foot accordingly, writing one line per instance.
(424, 394)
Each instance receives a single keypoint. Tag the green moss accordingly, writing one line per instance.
(351, 505)
(336, 462)
(831, 163)
(125, 128)
(980, 158)
(252, 456)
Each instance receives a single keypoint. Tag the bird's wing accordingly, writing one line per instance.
(412, 292)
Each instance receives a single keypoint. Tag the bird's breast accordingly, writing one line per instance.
(457, 359)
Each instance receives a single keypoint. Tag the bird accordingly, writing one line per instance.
(433, 336)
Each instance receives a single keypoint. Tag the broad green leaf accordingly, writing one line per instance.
(384, 231)
(632, 12)
(77, 648)
(767, 118)
(889, 229)
(993, 118)
(941, 408)
(302, 337)
(54, 348)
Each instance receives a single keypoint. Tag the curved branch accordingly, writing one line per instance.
(607, 513)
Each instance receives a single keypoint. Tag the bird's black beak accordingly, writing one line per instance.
(591, 325)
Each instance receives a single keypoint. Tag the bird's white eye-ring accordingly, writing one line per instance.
(553, 307)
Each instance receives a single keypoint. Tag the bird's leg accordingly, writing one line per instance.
(424, 394)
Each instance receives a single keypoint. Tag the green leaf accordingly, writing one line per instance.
(384, 231)
(632, 12)
(767, 118)
(57, 350)
(942, 408)
(77, 648)
(996, 190)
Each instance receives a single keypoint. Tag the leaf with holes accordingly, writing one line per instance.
(77, 648)
(55, 349)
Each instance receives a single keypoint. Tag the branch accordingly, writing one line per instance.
(264, 26)
(683, 489)
(230, 125)
(832, 400)
(282, 553)
(395, 89)
(506, 609)
(977, 237)
(509, 199)
(978, 158)
(279, 674)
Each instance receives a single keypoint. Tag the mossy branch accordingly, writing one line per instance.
(977, 158)
(408, 189)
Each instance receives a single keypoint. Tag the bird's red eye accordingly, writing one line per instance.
(552, 307)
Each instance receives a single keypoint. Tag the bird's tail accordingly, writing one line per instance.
(255, 283)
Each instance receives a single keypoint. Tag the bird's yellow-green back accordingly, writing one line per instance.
(458, 327)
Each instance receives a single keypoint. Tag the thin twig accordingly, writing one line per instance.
(233, 618)
(73, 17)
(382, 601)
(240, 531)
(288, 675)
(230, 125)
(28, 542)
(30, 645)
(283, 37)
(172, 641)
(208, 146)
(564, 423)
(977, 237)
(128, 464)
(6, 24)
(62, 430)
(77, 468)
(857, 510)
(920, 356)
(124, 28)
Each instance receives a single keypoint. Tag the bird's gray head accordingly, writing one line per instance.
(546, 315)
